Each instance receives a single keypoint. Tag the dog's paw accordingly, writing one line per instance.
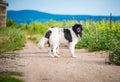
(74, 56)
(57, 56)
(51, 56)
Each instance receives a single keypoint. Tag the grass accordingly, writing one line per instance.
(9, 73)
(7, 76)
(99, 36)
(11, 39)
(9, 79)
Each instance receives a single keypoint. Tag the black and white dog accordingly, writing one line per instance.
(56, 36)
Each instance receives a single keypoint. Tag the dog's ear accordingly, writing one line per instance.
(75, 25)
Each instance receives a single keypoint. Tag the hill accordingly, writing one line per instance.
(27, 16)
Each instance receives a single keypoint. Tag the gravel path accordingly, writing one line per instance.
(37, 66)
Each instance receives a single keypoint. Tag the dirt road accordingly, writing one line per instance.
(37, 66)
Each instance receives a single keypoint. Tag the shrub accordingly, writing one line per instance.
(114, 57)
(98, 35)
(11, 39)
(11, 23)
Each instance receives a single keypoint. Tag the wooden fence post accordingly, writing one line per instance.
(110, 20)
(110, 32)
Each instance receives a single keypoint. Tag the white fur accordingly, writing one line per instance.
(57, 38)
(42, 42)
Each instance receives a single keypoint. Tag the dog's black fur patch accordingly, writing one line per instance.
(77, 28)
(67, 35)
(48, 43)
(47, 35)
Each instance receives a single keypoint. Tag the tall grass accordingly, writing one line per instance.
(11, 39)
(98, 36)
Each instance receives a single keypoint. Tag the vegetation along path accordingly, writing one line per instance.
(37, 66)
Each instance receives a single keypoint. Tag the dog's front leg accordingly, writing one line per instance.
(72, 49)
(50, 51)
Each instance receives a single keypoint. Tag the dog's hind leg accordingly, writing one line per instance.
(55, 51)
(50, 52)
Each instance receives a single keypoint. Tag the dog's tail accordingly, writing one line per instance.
(42, 42)
(44, 39)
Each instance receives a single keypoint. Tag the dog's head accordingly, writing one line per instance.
(77, 28)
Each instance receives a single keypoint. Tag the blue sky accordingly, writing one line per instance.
(87, 7)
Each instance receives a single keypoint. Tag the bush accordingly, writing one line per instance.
(11, 23)
(11, 39)
(99, 36)
(114, 57)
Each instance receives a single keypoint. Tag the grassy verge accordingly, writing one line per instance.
(7, 76)
(11, 39)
